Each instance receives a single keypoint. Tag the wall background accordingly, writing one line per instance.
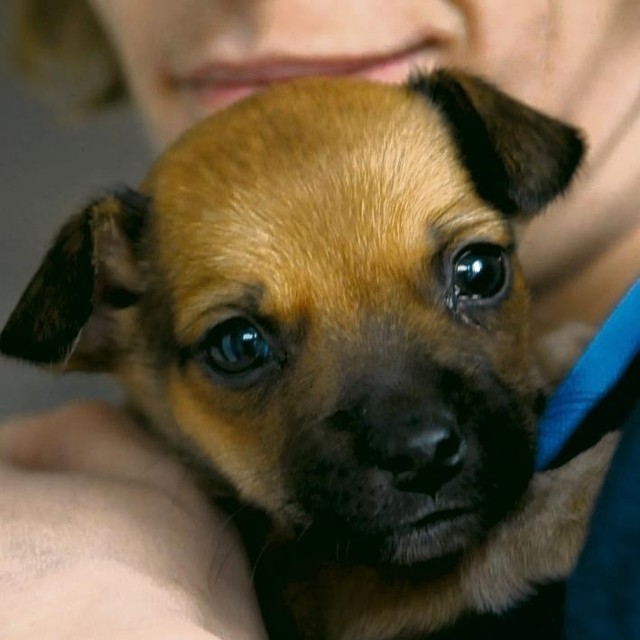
(48, 170)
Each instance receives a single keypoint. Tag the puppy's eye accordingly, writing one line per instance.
(236, 346)
(479, 272)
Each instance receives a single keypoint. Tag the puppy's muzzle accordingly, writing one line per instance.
(414, 461)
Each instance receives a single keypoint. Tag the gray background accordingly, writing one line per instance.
(48, 170)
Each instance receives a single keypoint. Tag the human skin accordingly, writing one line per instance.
(104, 535)
(577, 59)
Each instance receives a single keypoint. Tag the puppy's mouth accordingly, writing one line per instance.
(441, 517)
(427, 535)
(437, 535)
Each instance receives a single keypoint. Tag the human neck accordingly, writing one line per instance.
(584, 252)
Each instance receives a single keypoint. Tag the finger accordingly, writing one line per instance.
(63, 438)
(91, 438)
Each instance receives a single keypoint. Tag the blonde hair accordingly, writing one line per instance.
(62, 50)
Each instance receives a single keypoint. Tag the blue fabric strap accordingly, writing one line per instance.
(596, 372)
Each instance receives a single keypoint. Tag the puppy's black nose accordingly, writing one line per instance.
(435, 450)
(420, 445)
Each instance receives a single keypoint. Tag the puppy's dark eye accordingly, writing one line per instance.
(479, 272)
(236, 346)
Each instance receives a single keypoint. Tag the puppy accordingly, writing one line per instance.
(315, 296)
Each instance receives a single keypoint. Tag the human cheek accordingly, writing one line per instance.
(141, 33)
(509, 43)
(129, 26)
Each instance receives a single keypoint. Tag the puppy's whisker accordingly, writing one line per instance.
(217, 548)
(227, 554)
(226, 523)
(304, 531)
(257, 562)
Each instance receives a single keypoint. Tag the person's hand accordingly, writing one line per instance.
(102, 535)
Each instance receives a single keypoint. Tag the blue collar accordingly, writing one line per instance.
(594, 374)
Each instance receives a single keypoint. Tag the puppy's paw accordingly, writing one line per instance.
(540, 543)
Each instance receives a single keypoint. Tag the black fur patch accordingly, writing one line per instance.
(135, 209)
(337, 481)
(519, 159)
(158, 316)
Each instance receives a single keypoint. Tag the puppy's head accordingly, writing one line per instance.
(316, 291)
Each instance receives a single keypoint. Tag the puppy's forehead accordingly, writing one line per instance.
(306, 180)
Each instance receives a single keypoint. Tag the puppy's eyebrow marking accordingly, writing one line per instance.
(470, 218)
(445, 226)
(243, 298)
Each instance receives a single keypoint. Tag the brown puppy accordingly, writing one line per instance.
(315, 295)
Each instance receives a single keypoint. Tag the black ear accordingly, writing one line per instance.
(519, 159)
(89, 272)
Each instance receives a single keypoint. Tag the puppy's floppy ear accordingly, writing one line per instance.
(67, 314)
(519, 159)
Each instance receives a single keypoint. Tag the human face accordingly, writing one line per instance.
(184, 60)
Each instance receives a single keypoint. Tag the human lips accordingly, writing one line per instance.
(214, 86)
